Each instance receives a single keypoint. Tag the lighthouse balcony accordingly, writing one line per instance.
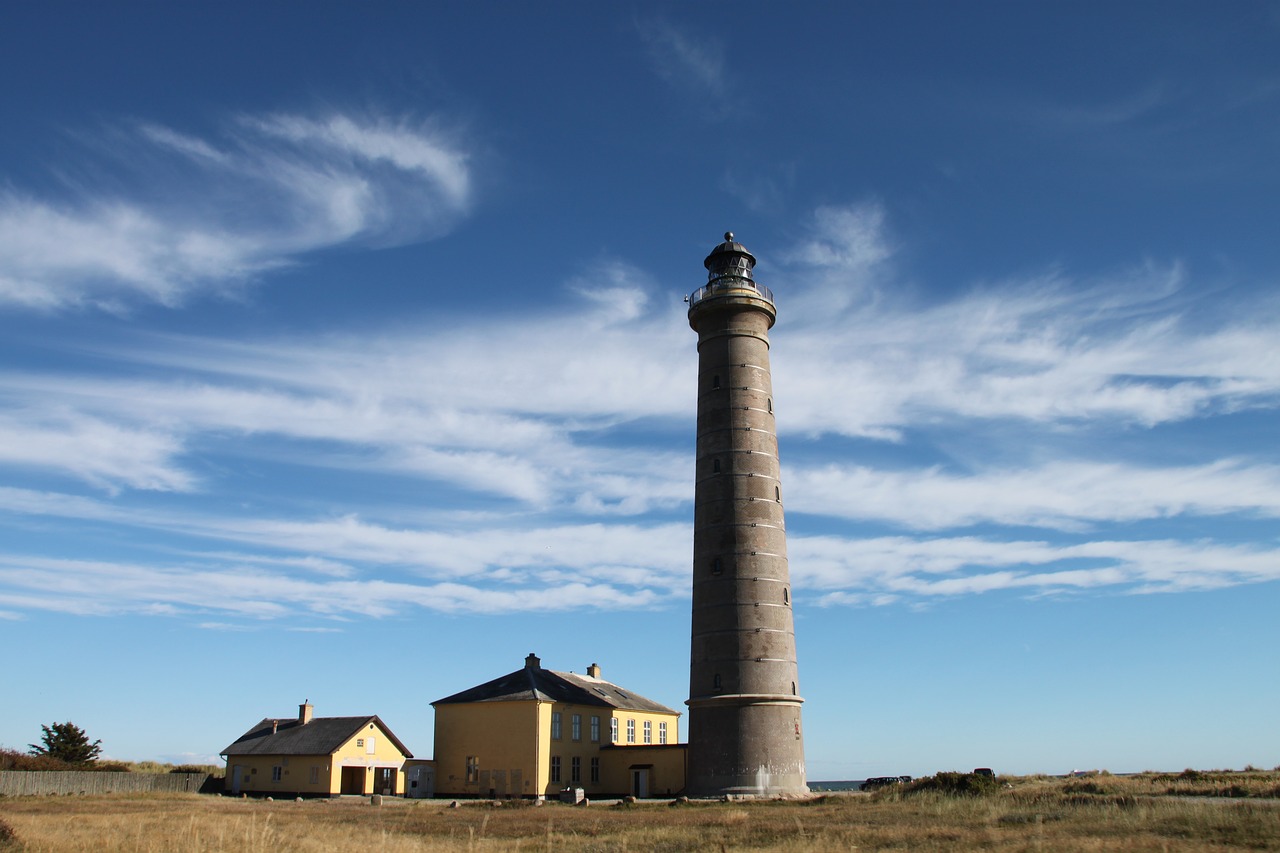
(731, 286)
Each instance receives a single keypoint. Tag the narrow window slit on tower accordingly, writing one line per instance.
(715, 466)
(717, 568)
(715, 381)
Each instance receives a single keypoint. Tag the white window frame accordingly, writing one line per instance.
(575, 726)
(648, 731)
(595, 729)
(631, 730)
(662, 732)
(556, 722)
(613, 730)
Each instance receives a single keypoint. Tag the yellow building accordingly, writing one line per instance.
(536, 732)
(316, 757)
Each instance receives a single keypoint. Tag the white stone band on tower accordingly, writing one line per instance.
(745, 737)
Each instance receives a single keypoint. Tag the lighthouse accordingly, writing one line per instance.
(745, 737)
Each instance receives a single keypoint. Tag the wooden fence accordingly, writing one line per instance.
(18, 782)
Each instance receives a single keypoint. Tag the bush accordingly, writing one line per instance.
(8, 838)
(954, 784)
(11, 759)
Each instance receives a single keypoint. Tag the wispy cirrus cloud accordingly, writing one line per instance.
(183, 213)
(85, 587)
(886, 570)
(512, 409)
(694, 66)
(1065, 494)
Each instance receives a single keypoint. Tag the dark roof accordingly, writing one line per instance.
(321, 736)
(547, 685)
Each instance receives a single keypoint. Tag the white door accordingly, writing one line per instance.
(640, 784)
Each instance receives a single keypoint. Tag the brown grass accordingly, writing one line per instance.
(1102, 813)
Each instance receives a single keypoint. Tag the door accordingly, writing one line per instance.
(640, 783)
(236, 773)
(353, 780)
(384, 781)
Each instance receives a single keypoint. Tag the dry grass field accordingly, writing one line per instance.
(1182, 812)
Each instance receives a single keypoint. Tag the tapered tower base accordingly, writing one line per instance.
(756, 752)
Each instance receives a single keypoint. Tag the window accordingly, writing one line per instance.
(473, 768)
(595, 770)
(359, 742)
(370, 746)
(715, 381)
(662, 732)
(577, 727)
(631, 731)
(315, 775)
(595, 729)
(648, 731)
(555, 768)
(786, 596)
(771, 405)
(613, 729)
(555, 725)
(777, 493)
(715, 466)
(717, 567)
(575, 769)
(275, 773)
(716, 681)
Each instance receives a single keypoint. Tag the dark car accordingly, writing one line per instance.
(984, 771)
(881, 782)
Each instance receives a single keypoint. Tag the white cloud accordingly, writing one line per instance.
(1063, 494)
(696, 66)
(883, 570)
(226, 209)
(109, 588)
(104, 454)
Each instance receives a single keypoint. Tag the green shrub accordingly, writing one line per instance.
(954, 784)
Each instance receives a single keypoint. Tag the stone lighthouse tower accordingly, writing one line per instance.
(744, 703)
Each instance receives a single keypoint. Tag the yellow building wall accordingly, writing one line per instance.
(611, 781)
(355, 753)
(665, 765)
(503, 736)
(513, 747)
(295, 774)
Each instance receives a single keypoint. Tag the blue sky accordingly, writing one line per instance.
(343, 357)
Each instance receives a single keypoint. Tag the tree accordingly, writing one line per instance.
(67, 742)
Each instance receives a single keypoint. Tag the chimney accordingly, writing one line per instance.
(275, 724)
(305, 712)
(532, 662)
(593, 671)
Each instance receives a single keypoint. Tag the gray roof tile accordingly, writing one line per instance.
(321, 736)
(547, 685)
